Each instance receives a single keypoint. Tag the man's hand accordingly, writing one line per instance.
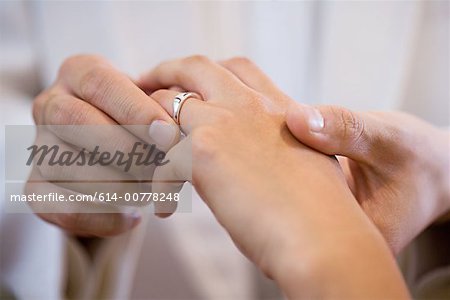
(89, 91)
(396, 165)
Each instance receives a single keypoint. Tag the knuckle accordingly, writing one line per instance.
(352, 127)
(68, 64)
(62, 112)
(95, 82)
(197, 60)
(241, 60)
(38, 108)
(72, 62)
(52, 111)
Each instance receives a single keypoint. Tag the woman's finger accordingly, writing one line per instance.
(251, 75)
(195, 74)
(193, 113)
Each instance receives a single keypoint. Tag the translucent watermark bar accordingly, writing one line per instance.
(92, 168)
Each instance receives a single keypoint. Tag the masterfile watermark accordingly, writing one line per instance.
(141, 154)
(89, 168)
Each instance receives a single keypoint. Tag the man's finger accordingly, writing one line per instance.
(333, 130)
(81, 218)
(82, 125)
(169, 178)
(88, 179)
(95, 81)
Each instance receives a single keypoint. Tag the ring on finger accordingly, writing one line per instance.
(178, 102)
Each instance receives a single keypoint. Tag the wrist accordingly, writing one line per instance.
(358, 265)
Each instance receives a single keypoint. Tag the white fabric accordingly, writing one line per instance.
(363, 55)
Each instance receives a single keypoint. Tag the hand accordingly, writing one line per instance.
(396, 165)
(89, 91)
(286, 207)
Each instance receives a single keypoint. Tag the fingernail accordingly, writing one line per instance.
(162, 133)
(314, 117)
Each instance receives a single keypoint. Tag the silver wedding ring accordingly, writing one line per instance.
(178, 103)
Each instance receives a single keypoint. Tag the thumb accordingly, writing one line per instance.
(331, 130)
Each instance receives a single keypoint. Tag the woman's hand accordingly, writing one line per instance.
(396, 165)
(287, 207)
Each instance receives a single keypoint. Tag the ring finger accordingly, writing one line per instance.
(193, 113)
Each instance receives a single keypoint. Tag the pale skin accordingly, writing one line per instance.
(315, 241)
